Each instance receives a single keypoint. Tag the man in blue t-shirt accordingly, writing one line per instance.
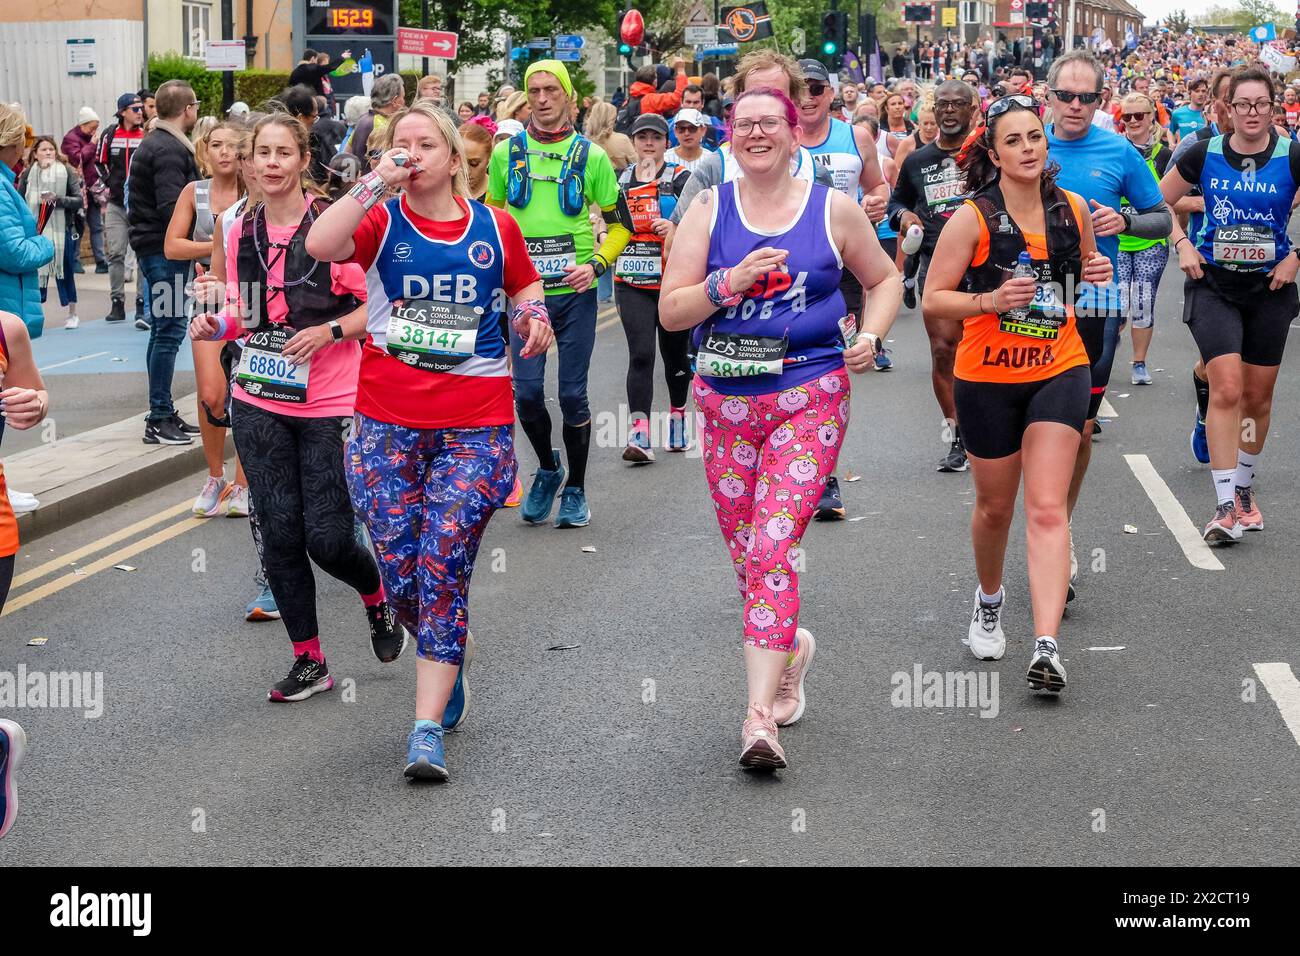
(1101, 167)
(1188, 119)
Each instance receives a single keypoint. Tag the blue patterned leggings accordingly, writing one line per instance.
(426, 496)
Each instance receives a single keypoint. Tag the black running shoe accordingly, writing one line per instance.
(118, 311)
(185, 426)
(387, 637)
(909, 296)
(308, 676)
(165, 432)
(955, 460)
(831, 506)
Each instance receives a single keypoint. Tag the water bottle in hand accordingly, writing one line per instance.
(1024, 270)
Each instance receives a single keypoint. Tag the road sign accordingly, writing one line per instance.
(702, 36)
(1017, 4)
(539, 43)
(726, 49)
(569, 41)
(701, 15)
(949, 17)
(799, 42)
(573, 55)
(435, 43)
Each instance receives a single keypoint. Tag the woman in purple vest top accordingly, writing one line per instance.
(755, 272)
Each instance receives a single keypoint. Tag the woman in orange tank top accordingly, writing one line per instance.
(1021, 374)
(23, 403)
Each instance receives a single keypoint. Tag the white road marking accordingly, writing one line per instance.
(1106, 410)
(81, 358)
(1171, 511)
(1119, 648)
(1283, 687)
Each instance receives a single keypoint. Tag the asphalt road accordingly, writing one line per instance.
(622, 748)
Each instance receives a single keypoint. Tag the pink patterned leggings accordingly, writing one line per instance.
(767, 458)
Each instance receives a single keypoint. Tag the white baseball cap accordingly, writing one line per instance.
(239, 108)
(690, 115)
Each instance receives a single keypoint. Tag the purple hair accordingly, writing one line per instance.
(791, 113)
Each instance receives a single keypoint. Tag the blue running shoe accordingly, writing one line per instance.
(1200, 444)
(573, 509)
(1140, 374)
(676, 431)
(541, 494)
(458, 704)
(425, 757)
(883, 362)
(13, 741)
(262, 607)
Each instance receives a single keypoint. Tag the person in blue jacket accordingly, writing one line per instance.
(22, 251)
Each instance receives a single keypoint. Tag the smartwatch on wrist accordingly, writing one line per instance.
(336, 330)
(598, 266)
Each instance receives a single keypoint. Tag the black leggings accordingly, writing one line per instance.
(6, 578)
(639, 310)
(295, 474)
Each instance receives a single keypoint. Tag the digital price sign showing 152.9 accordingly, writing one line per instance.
(358, 17)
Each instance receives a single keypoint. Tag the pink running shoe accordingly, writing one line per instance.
(758, 747)
(1224, 528)
(1248, 515)
(516, 494)
(790, 700)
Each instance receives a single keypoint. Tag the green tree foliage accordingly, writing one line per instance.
(1178, 21)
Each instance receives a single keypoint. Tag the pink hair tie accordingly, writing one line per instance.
(485, 121)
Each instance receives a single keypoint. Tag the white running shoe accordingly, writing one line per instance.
(22, 502)
(237, 502)
(985, 638)
(72, 322)
(1046, 672)
(209, 502)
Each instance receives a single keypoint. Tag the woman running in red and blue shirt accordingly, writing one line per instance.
(432, 451)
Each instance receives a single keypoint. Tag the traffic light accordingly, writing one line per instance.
(1038, 11)
(835, 37)
(625, 49)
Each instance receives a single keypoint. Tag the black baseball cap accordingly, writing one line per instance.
(815, 70)
(649, 121)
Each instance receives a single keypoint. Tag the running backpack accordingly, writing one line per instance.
(572, 180)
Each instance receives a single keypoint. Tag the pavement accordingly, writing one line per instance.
(608, 690)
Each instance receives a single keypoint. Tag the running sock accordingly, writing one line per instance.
(538, 431)
(1245, 469)
(990, 600)
(311, 647)
(370, 600)
(424, 726)
(1223, 479)
(641, 426)
(1202, 394)
(1048, 637)
(577, 443)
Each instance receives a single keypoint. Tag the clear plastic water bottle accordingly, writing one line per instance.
(1024, 270)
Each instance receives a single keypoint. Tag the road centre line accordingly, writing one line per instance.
(1282, 686)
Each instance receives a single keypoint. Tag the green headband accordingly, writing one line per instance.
(554, 67)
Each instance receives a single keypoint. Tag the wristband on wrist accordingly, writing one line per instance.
(528, 310)
(1180, 239)
(369, 190)
(222, 327)
(717, 287)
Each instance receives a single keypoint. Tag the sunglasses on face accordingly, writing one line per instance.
(1065, 96)
(136, 109)
(815, 88)
(1000, 106)
(1133, 117)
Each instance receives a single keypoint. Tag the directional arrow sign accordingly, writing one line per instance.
(435, 43)
(573, 55)
(569, 41)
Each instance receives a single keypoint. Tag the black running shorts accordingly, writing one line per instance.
(994, 415)
(1235, 313)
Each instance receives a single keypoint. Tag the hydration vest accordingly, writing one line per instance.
(571, 181)
(663, 186)
(311, 301)
(1129, 243)
(1064, 265)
